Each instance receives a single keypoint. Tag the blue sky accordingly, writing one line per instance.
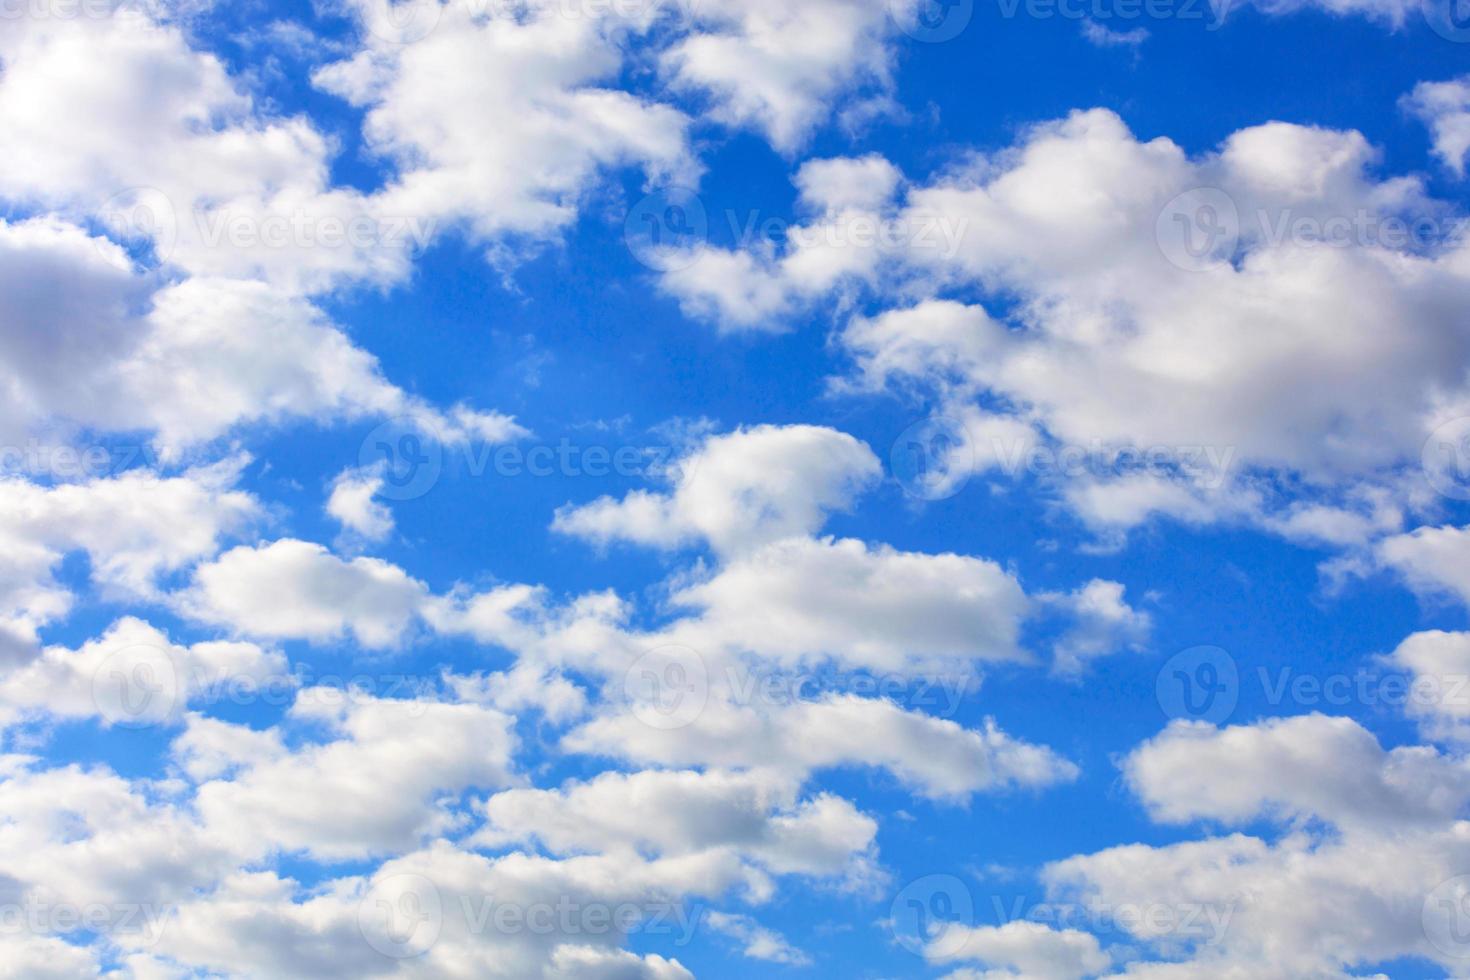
(869, 489)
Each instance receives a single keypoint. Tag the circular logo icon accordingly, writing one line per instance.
(1446, 459)
(667, 688)
(932, 21)
(410, 454)
(933, 459)
(1199, 229)
(1446, 917)
(1199, 684)
(137, 687)
(930, 916)
(142, 215)
(1450, 19)
(401, 21)
(401, 916)
(667, 230)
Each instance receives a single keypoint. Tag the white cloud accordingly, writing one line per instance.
(779, 68)
(737, 492)
(803, 599)
(1266, 354)
(1445, 108)
(1439, 664)
(133, 674)
(1021, 950)
(933, 756)
(92, 344)
(1368, 838)
(1433, 560)
(1102, 623)
(351, 503)
(757, 815)
(759, 942)
(1287, 768)
(134, 529)
(297, 589)
(500, 124)
(460, 915)
(373, 789)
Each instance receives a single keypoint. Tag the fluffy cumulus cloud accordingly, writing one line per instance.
(1212, 354)
(351, 503)
(1021, 949)
(737, 491)
(1363, 840)
(134, 529)
(1445, 108)
(689, 717)
(297, 589)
